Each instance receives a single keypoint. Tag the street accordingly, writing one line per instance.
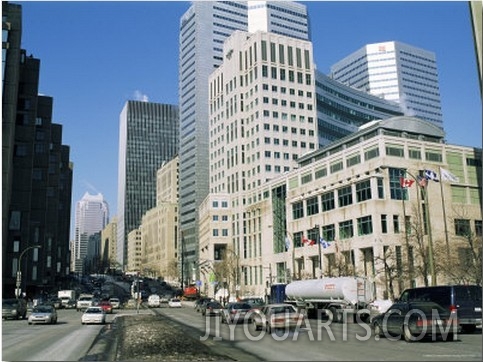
(320, 340)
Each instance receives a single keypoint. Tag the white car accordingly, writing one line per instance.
(93, 315)
(154, 301)
(174, 303)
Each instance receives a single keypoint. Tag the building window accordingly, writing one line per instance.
(328, 201)
(363, 191)
(346, 229)
(353, 160)
(380, 188)
(312, 206)
(298, 210)
(478, 228)
(414, 154)
(364, 225)
(434, 156)
(397, 192)
(395, 224)
(345, 196)
(462, 227)
(384, 223)
(336, 166)
(328, 232)
(306, 178)
(372, 153)
(321, 172)
(394, 151)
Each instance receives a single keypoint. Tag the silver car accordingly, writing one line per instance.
(46, 314)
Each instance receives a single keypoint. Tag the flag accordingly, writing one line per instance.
(324, 243)
(405, 182)
(431, 175)
(422, 181)
(448, 176)
(287, 243)
(307, 241)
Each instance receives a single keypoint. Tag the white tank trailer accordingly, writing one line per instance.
(339, 298)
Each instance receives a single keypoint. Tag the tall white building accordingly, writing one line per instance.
(396, 72)
(91, 216)
(203, 30)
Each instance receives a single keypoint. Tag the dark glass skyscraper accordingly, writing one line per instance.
(148, 137)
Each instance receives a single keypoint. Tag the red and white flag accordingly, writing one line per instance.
(405, 182)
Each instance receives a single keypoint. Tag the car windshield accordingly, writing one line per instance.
(94, 311)
(242, 306)
(42, 309)
(284, 309)
(214, 305)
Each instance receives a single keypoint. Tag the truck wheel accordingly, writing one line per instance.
(335, 315)
(378, 330)
(408, 337)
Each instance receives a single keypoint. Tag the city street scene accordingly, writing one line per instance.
(242, 180)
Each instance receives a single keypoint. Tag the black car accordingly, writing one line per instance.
(414, 321)
(464, 300)
(236, 312)
(201, 301)
(212, 308)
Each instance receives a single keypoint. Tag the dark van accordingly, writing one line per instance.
(465, 300)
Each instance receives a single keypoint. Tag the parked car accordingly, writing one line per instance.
(154, 301)
(211, 308)
(416, 320)
(464, 300)
(46, 314)
(277, 316)
(115, 302)
(256, 303)
(106, 306)
(14, 308)
(93, 315)
(200, 301)
(174, 303)
(55, 302)
(236, 312)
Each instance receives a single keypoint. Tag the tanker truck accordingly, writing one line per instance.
(343, 297)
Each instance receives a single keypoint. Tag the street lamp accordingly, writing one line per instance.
(427, 221)
(19, 270)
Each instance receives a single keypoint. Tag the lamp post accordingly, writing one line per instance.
(427, 221)
(18, 290)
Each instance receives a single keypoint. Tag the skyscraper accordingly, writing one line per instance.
(397, 72)
(36, 173)
(148, 137)
(203, 30)
(91, 217)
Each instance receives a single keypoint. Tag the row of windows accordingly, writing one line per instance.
(281, 74)
(344, 197)
(365, 227)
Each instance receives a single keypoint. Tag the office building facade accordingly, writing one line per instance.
(203, 30)
(392, 202)
(36, 174)
(398, 72)
(91, 217)
(148, 137)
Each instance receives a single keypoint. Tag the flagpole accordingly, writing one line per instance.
(406, 235)
(430, 236)
(320, 251)
(444, 212)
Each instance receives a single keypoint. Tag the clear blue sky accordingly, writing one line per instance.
(97, 55)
